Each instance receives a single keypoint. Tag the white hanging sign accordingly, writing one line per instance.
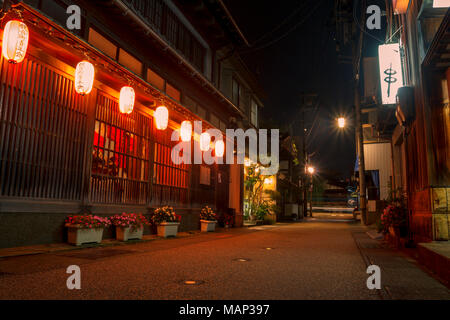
(391, 75)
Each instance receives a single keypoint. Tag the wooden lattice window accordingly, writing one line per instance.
(170, 181)
(158, 14)
(43, 125)
(121, 155)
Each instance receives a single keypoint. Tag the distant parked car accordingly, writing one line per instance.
(352, 198)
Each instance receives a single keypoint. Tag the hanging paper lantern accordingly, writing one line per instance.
(161, 118)
(84, 77)
(219, 148)
(15, 41)
(126, 100)
(205, 140)
(186, 131)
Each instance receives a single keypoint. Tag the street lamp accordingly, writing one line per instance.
(341, 122)
(311, 171)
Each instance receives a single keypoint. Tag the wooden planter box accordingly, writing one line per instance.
(79, 236)
(168, 229)
(208, 226)
(127, 233)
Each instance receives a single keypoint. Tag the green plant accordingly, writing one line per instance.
(275, 198)
(254, 186)
(208, 214)
(164, 214)
(262, 210)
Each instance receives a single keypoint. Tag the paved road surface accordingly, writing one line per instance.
(315, 259)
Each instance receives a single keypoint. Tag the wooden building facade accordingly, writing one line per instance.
(421, 145)
(63, 153)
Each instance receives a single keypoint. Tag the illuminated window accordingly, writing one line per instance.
(121, 155)
(101, 43)
(155, 79)
(130, 62)
(170, 181)
(172, 92)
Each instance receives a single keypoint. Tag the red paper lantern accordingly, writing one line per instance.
(15, 41)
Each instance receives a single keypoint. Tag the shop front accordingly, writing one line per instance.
(65, 153)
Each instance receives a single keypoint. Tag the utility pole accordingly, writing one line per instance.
(357, 53)
(304, 160)
(311, 188)
(308, 100)
(306, 105)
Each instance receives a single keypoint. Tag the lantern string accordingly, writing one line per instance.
(94, 58)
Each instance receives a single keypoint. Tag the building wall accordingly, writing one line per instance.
(48, 149)
(235, 188)
(377, 156)
(421, 162)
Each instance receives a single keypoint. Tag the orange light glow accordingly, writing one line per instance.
(341, 122)
(15, 41)
(186, 131)
(161, 117)
(84, 77)
(400, 6)
(219, 148)
(311, 170)
(205, 140)
(126, 100)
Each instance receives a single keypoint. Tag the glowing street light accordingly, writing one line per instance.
(311, 171)
(341, 122)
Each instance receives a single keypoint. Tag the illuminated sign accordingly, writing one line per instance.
(391, 76)
(441, 3)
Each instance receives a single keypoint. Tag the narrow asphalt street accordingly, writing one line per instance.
(316, 259)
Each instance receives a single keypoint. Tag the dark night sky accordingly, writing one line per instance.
(304, 60)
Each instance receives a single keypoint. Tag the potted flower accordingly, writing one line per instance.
(393, 220)
(85, 229)
(226, 220)
(208, 219)
(129, 225)
(167, 221)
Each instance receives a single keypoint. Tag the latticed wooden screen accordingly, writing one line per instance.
(170, 181)
(158, 14)
(42, 132)
(121, 155)
(44, 144)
